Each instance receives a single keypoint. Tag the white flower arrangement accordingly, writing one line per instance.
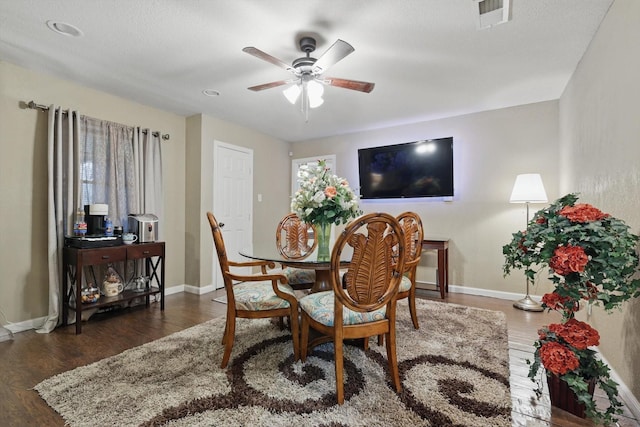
(323, 198)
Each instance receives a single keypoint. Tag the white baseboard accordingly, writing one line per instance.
(480, 292)
(174, 290)
(5, 334)
(199, 290)
(188, 289)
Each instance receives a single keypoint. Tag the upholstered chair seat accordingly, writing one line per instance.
(405, 284)
(320, 307)
(258, 296)
(299, 276)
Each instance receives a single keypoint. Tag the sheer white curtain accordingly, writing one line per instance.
(96, 161)
(63, 196)
(108, 166)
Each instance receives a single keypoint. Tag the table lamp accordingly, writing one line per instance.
(528, 189)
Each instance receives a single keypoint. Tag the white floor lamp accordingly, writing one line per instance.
(528, 189)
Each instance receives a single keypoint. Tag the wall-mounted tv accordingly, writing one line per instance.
(414, 169)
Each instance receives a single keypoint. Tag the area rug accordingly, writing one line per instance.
(221, 300)
(454, 372)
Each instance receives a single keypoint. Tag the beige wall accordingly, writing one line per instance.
(23, 181)
(490, 149)
(188, 180)
(270, 179)
(600, 138)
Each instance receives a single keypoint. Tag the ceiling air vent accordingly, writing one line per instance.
(493, 12)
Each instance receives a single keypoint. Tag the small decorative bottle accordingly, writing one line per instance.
(108, 227)
(80, 226)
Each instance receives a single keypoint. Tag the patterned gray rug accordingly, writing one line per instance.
(454, 372)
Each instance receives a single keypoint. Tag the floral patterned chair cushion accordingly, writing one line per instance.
(320, 307)
(299, 276)
(405, 284)
(258, 296)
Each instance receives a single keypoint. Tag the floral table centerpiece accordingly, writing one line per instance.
(323, 199)
(590, 256)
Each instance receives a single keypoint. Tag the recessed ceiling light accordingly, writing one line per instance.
(64, 29)
(211, 92)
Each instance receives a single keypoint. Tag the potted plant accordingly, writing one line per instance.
(323, 199)
(590, 257)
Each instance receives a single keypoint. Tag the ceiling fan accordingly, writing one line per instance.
(308, 79)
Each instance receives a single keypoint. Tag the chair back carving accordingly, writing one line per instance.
(413, 233)
(295, 239)
(373, 276)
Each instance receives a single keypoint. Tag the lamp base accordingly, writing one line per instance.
(527, 304)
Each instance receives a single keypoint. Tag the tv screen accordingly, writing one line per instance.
(414, 169)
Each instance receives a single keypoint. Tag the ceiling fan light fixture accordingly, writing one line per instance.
(292, 93)
(315, 102)
(315, 90)
(308, 83)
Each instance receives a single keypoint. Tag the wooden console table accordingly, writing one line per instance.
(75, 259)
(442, 246)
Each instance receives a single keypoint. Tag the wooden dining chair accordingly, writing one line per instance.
(365, 306)
(296, 239)
(413, 235)
(253, 296)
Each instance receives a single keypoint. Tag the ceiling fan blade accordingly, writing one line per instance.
(335, 53)
(349, 84)
(266, 57)
(269, 85)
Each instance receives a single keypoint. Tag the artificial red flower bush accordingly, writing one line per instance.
(589, 256)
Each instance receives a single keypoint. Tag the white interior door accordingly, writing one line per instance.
(232, 200)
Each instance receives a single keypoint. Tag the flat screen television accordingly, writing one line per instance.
(414, 169)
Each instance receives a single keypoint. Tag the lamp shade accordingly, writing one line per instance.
(528, 188)
(292, 93)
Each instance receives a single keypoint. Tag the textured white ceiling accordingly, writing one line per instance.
(426, 57)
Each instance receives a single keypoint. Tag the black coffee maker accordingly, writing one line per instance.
(94, 217)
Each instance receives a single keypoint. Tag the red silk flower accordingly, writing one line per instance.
(576, 333)
(557, 358)
(555, 301)
(568, 259)
(582, 212)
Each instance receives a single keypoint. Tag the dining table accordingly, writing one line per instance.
(268, 251)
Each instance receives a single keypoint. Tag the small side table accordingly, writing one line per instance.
(442, 246)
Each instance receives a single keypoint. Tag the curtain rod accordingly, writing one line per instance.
(41, 107)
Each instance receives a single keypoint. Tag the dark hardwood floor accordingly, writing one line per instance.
(31, 357)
